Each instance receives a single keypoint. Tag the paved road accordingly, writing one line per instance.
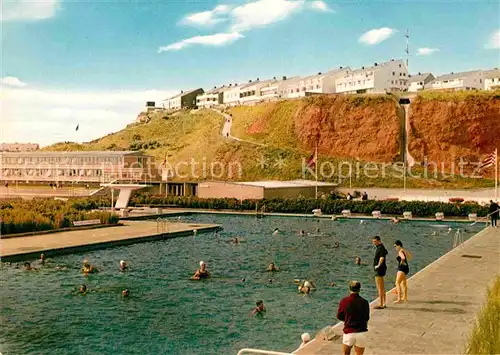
(129, 231)
(444, 299)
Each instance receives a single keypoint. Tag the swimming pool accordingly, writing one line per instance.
(167, 313)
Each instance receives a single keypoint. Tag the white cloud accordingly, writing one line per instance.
(376, 35)
(321, 6)
(494, 41)
(29, 10)
(426, 51)
(48, 116)
(262, 12)
(12, 81)
(207, 18)
(218, 39)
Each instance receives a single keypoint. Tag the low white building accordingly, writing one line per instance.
(231, 95)
(211, 98)
(491, 79)
(277, 89)
(321, 83)
(251, 92)
(185, 99)
(469, 80)
(419, 81)
(379, 78)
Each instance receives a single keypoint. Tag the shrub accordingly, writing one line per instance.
(20, 216)
(306, 205)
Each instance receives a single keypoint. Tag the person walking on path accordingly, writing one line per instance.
(403, 271)
(380, 269)
(354, 311)
(494, 213)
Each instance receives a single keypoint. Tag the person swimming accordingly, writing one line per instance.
(201, 273)
(276, 231)
(28, 267)
(302, 233)
(336, 244)
(87, 268)
(272, 267)
(235, 240)
(306, 287)
(123, 265)
(357, 261)
(42, 258)
(82, 289)
(260, 307)
(125, 293)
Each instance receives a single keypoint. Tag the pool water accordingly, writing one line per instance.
(166, 313)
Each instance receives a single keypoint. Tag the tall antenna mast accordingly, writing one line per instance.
(407, 51)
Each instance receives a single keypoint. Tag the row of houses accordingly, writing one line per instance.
(390, 76)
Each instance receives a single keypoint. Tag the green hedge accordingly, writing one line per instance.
(328, 206)
(21, 216)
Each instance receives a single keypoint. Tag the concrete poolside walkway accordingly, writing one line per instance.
(22, 248)
(444, 299)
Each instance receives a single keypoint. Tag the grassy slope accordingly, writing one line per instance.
(198, 136)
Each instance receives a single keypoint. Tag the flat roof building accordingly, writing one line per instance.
(82, 166)
(18, 147)
(263, 189)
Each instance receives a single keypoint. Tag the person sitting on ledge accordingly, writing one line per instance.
(201, 273)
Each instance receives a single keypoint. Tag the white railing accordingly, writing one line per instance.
(262, 352)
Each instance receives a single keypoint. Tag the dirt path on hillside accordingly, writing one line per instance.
(226, 129)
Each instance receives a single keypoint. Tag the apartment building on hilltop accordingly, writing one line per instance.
(469, 80)
(211, 98)
(492, 79)
(321, 83)
(419, 81)
(380, 78)
(183, 100)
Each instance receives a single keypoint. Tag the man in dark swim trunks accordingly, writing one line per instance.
(380, 268)
(201, 273)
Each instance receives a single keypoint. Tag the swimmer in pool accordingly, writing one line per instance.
(28, 267)
(123, 265)
(302, 233)
(235, 240)
(201, 273)
(336, 244)
(83, 289)
(272, 267)
(125, 293)
(357, 261)
(260, 307)
(395, 220)
(87, 268)
(42, 258)
(317, 230)
(306, 287)
(276, 231)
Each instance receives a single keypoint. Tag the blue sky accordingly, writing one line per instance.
(94, 63)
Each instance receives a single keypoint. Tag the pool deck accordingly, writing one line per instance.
(444, 299)
(177, 212)
(30, 247)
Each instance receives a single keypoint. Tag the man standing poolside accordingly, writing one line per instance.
(354, 311)
(494, 213)
(380, 269)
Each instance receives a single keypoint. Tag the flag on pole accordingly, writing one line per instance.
(77, 127)
(312, 160)
(490, 160)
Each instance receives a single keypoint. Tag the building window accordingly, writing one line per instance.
(392, 81)
(393, 73)
(400, 65)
